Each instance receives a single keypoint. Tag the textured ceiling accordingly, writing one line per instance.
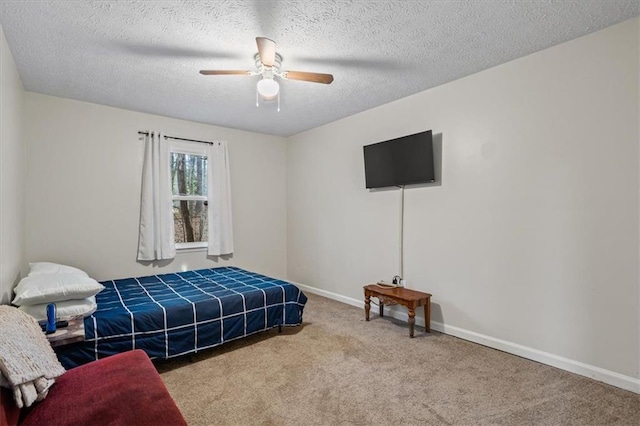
(145, 55)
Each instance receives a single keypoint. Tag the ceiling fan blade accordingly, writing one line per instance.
(314, 77)
(225, 72)
(267, 51)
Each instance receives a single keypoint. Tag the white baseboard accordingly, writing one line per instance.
(606, 376)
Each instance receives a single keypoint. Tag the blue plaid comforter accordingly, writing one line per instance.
(175, 314)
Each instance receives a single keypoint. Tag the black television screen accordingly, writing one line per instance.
(401, 161)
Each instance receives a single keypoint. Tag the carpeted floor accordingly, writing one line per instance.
(339, 369)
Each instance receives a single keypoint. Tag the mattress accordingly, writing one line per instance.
(176, 314)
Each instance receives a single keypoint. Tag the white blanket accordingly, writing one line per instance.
(28, 365)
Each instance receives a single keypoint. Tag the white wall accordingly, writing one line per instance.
(84, 167)
(11, 173)
(532, 236)
(638, 33)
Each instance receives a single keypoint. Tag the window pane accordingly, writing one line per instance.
(188, 174)
(190, 221)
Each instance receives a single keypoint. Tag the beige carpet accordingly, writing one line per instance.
(339, 369)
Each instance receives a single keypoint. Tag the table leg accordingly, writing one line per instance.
(367, 306)
(412, 321)
(427, 316)
(381, 309)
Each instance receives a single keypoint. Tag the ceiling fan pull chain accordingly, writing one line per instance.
(257, 98)
(278, 101)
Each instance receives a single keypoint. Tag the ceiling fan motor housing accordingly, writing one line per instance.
(263, 69)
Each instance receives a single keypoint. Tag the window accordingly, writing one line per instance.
(190, 201)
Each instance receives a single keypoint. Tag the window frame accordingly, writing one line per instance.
(189, 148)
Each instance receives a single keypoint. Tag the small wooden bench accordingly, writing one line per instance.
(411, 299)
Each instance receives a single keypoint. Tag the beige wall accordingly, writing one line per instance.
(532, 236)
(84, 166)
(11, 173)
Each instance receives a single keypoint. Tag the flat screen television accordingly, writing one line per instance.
(402, 161)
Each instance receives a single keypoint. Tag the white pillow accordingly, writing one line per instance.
(64, 310)
(47, 288)
(54, 268)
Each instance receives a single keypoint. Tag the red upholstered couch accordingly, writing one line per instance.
(124, 389)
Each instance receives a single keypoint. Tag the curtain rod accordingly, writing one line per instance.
(178, 139)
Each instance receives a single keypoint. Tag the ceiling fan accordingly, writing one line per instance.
(268, 63)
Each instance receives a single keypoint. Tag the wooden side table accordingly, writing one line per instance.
(411, 299)
(72, 333)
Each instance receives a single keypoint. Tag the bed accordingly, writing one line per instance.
(176, 314)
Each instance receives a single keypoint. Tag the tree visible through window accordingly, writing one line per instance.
(190, 202)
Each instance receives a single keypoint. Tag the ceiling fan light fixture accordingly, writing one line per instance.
(268, 63)
(268, 88)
